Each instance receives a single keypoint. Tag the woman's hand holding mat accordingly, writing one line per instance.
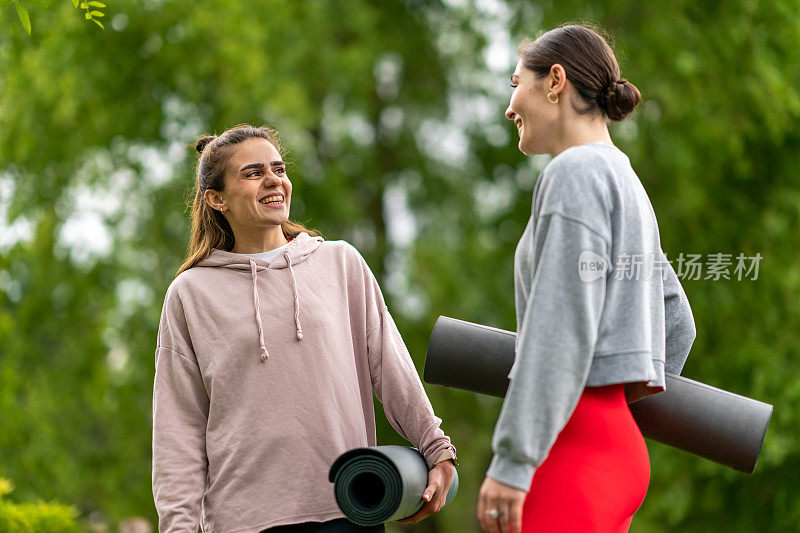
(439, 479)
(381, 484)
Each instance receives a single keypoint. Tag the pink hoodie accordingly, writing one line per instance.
(264, 375)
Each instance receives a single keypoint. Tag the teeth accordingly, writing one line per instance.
(271, 199)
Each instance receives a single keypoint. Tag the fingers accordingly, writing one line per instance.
(505, 520)
(500, 508)
(423, 513)
(501, 521)
(488, 523)
(432, 490)
(509, 519)
(481, 511)
(516, 516)
(434, 500)
(434, 495)
(427, 510)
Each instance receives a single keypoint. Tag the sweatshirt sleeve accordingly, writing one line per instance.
(678, 321)
(555, 344)
(395, 379)
(180, 414)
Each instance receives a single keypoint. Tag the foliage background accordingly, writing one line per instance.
(393, 113)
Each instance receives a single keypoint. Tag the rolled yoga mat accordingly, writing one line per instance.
(381, 483)
(692, 416)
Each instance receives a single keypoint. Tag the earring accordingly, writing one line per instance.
(549, 99)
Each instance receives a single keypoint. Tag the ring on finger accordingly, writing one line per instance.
(494, 514)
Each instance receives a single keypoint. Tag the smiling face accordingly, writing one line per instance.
(530, 110)
(257, 193)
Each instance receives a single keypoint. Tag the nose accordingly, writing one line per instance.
(510, 115)
(272, 179)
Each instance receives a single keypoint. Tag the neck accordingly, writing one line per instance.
(577, 130)
(253, 243)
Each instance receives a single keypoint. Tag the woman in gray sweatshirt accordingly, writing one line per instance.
(600, 312)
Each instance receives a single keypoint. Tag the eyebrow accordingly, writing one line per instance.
(261, 165)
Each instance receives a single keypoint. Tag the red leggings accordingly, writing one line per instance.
(596, 474)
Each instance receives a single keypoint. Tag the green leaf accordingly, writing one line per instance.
(98, 23)
(4, 2)
(23, 17)
(96, 4)
(84, 5)
(75, 3)
(97, 14)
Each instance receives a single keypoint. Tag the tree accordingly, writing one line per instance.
(90, 9)
(393, 115)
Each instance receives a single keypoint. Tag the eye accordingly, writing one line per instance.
(280, 170)
(253, 173)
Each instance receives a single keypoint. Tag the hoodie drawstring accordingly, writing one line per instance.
(296, 299)
(257, 303)
(264, 352)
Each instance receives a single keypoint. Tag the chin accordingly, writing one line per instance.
(530, 148)
(525, 149)
(525, 145)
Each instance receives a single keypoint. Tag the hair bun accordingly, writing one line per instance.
(618, 99)
(202, 142)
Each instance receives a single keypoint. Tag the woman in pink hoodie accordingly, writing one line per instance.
(271, 343)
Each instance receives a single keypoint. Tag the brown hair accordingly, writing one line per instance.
(210, 229)
(590, 66)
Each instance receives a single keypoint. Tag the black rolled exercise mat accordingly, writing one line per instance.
(381, 483)
(692, 416)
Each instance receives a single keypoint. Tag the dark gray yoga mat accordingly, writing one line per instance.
(381, 483)
(692, 416)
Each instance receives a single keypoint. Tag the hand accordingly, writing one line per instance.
(439, 479)
(506, 500)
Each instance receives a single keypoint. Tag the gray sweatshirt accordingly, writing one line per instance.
(597, 303)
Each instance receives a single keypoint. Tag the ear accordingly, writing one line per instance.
(557, 79)
(215, 200)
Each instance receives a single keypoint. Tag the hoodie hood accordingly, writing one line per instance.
(298, 250)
